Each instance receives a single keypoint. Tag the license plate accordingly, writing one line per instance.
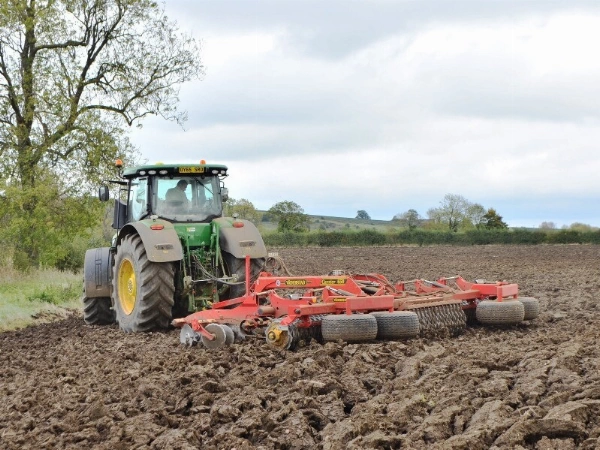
(191, 170)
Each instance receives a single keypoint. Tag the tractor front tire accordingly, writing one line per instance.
(237, 267)
(142, 290)
(505, 313)
(97, 311)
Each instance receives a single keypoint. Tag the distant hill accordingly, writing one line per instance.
(332, 223)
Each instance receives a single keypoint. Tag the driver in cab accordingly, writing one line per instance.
(176, 197)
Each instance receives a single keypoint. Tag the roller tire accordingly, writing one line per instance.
(397, 324)
(507, 312)
(97, 311)
(532, 307)
(237, 266)
(148, 288)
(349, 328)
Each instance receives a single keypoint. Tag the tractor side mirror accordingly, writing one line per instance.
(103, 193)
(224, 194)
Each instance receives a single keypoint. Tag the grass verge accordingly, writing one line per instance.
(38, 296)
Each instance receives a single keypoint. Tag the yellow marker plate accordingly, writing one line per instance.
(191, 170)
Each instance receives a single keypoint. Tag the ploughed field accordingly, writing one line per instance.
(534, 386)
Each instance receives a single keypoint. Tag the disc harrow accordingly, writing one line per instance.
(291, 311)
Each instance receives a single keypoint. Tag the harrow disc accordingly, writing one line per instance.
(218, 332)
(531, 306)
(508, 312)
(397, 324)
(229, 334)
(188, 336)
(349, 328)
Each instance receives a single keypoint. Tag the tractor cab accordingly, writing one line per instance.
(190, 198)
(182, 193)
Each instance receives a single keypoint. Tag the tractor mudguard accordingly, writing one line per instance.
(97, 267)
(240, 241)
(161, 244)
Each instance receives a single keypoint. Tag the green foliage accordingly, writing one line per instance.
(243, 208)
(492, 220)
(582, 227)
(410, 219)
(421, 237)
(565, 237)
(44, 225)
(362, 214)
(290, 217)
(457, 213)
(55, 294)
(73, 77)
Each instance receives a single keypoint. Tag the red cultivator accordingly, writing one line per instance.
(289, 309)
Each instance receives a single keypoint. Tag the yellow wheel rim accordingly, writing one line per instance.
(127, 286)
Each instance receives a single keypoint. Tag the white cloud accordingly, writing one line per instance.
(498, 103)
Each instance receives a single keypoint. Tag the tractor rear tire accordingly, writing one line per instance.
(507, 312)
(97, 311)
(397, 324)
(142, 290)
(532, 307)
(237, 266)
(349, 328)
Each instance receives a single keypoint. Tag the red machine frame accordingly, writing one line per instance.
(338, 294)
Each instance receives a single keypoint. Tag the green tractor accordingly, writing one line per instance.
(173, 252)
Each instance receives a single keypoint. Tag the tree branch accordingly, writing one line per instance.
(62, 45)
(12, 97)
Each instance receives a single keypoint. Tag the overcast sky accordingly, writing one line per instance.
(389, 105)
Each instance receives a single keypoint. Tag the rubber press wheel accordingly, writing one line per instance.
(507, 312)
(531, 306)
(397, 324)
(349, 328)
(142, 290)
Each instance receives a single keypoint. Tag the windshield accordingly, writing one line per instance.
(187, 199)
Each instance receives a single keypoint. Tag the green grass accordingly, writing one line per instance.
(37, 296)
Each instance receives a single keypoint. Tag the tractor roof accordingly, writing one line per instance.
(175, 169)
